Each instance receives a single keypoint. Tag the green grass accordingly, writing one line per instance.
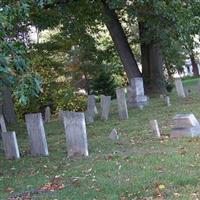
(130, 167)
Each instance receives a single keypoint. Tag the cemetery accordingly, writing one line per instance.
(99, 100)
(130, 154)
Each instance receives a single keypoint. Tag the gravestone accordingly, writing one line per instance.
(90, 113)
(136, 97)
(167, 100)
(121, 102)
(47, 116)
(60, 115)
(101, 100)
(179, 88)
(186, 90)
(2, 129)
(186, 125)
(75, 133)
(36, 134)
(198, 86)
(10, 145)
(114, 135)
(185, 120)
(105, 108)
(155, 127)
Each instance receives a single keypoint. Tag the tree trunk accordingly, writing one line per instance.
(152, 64)
(7, 108)
(120, 41)
(195, 69)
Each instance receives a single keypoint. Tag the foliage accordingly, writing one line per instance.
(104, 83)
(14, 70)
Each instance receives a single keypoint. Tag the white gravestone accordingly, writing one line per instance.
(121, 102)
(179, 88)
(10, 145)
(75, 133)
(167, 101)
(155, 127)
(36, 134)
(2, 129)
(105, 108)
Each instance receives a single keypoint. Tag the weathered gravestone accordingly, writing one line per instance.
(179, 88)
(91, 108)
(186, 125)
(2, 129)
(114, 135)
(155, 127)
(60, 115)
(186, 90)
(136, 97)
(36, 134)
(47, 115)
(121, 102)
(10, 145)
(198, 86)
(105, 108)
(75, 133)
(101, 100)
(167, 101)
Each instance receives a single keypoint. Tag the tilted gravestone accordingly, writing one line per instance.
(105, 108)
(136, 97)
(36, 134)
(75, 133)
(47, 115)
(121, 102)
(2, 129)
(155, 127)
(186, 125)
(91, 108)
(179, 88)
(114, 135)
(10, 145)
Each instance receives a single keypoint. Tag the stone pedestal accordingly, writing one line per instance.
(121, 102)
(36, 134)
(136, 97)
(75, 133)
(186, 125)
(179, 88)
(10, 145)
(105, 108)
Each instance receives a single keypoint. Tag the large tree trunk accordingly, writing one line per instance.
(152, 65)
(6, 107)
(120, 41)
(195, 69)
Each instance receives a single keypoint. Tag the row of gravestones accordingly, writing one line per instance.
(75, 132)
(74, 123)
(136, 98)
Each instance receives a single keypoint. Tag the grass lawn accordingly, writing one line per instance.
(138, 166)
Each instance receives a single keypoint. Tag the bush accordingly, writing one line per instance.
(58, 97)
